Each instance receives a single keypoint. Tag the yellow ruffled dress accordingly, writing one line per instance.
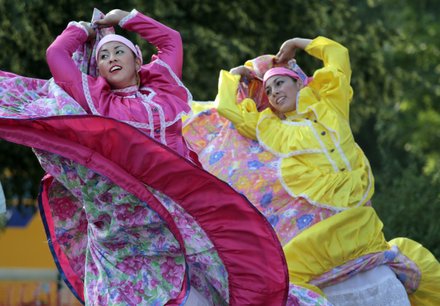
(320, 161)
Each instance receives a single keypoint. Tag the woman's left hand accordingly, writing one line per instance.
(112, 18)
(89, 28)
(243, 71)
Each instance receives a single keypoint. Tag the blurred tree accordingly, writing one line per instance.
(394, 49)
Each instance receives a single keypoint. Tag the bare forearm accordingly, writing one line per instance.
(298, 43)
(288, 48)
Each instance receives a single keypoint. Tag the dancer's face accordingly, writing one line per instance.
(118, 65)
(282, 91)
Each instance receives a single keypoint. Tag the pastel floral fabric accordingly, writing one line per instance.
(252, 171)
(121, 248)
(115, 243)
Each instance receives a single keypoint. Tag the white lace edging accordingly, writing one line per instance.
(379, 287)
(131, 15)
(86, 90)
(78, 25)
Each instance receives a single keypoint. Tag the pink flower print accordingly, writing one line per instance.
(106, 197)
(78, 264)
(128, 294)
(130, 214)
(172, 272)
(187, 231)
(71, 173)
(160, 241)
(40, 108)
(92, 268)
(196, 281)
(133, 264)
(82, 226)
(116, 245)
(154, 282)
(292, 300)
(64, 209)
(139, 288)
(102, 299)
(102, 222)
(90, 175)
(64, 239)
(204, 260)
(52, 168)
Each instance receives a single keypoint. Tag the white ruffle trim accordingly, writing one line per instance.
(378, 287)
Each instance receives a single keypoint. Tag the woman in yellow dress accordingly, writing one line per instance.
(298, 163)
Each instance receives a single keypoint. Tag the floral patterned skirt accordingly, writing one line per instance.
(253, 171)
(129, 221)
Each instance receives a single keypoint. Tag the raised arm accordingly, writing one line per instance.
(244, 115)
(332, 54)
(167, 41)
(288, 49)
(59, 58)
(331, 82)
(327, 50)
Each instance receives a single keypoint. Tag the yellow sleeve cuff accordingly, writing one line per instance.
(244, 115)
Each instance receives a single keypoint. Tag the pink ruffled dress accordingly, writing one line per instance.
(129, 219)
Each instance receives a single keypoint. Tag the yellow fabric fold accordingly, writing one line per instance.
(428, 292)
(196, 108)
(244, 115)
(333, 242)
(324, 187)
(330, 87)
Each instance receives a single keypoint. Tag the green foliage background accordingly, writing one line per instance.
(394, 47)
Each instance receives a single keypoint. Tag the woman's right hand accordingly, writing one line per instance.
(243, 71)
(112, 18)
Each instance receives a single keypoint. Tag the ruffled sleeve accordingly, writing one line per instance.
(428, 291)
(63, 68)
(244, 115)
(330, 83)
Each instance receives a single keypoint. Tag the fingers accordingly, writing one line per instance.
(281, 58)
(245, 73)
(284, 56)
(91, 32)
(287, 52)
(112, 18)
(103, 23)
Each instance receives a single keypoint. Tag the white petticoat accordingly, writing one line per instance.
(196, 299)
(378, 287)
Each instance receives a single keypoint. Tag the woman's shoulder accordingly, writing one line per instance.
(157, 71)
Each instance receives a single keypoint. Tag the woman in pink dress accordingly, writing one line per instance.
(150, 97)
(131, 219)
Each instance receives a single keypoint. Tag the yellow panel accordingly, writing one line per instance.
(25, 247)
